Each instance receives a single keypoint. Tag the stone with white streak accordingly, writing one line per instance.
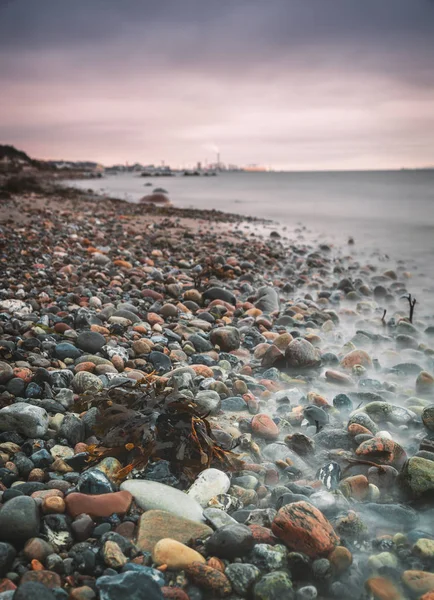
(209, 483)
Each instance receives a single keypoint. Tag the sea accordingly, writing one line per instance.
(389, 214)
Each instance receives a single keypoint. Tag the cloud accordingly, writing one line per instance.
(293, 83)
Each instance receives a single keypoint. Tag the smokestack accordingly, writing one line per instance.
(218, 160)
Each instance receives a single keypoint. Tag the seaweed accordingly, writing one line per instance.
(147, 423)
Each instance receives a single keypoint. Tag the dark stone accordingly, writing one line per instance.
(230, 541)
(94, 482)
(33, 390)
(90, 341)
(73, 429)
(66, 350)
(11, 493)
(200, 343)
(29, 487)
(234, 403)
(7, 555)
(41, 459)
(32, 590)
(130, 585)
(16, 387)
(218, 293)
(161, 362)
(268, 299)
(19, 520)
(62, 378)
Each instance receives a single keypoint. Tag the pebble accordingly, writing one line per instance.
(209, 579)
(209, 483)
(102, 505)
(242, 577)
(174, 554)
(230, 541)
(19, 520)
(155, 525)
(274, 586)
(151, 495)
(131, 585)
(304, 528)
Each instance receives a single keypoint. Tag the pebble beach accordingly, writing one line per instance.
(195, 405)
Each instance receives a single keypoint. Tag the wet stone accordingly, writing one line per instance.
(242, 577)
(274, 586)
(19, 520)
(230, 541)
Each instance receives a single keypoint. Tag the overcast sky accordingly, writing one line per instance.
(297, 84)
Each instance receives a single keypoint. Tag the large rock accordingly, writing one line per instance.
(418, 475)
(150, 495)
(26, 419)
(155, 525)
(356, 357)
(19, 520)
(303, 528)
(300, 354)
(227, 338)
(268, 299)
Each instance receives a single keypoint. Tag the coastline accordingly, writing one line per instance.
(178, 347)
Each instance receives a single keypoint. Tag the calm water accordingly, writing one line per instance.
(389, 211)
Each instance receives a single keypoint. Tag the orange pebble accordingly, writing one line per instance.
(36, 565)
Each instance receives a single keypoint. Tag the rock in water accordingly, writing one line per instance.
(268, 299)
(151, 495)
(300, 354)
(19, 520)
(418, 475)
(29, 420)
(208, 484)
(330, 475)
(303, 528)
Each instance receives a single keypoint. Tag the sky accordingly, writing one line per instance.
(289, 84)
